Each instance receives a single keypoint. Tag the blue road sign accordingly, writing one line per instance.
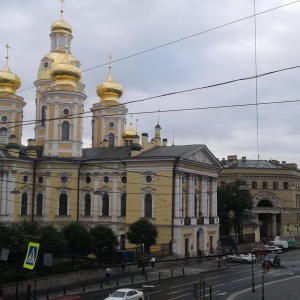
(31, 256)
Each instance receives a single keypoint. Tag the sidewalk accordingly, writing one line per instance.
(133, 276)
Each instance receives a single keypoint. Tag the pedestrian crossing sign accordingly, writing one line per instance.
(31, 256)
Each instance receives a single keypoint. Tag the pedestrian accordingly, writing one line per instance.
(123, 266)
(107, 275)
(199, 253)
(152, 261)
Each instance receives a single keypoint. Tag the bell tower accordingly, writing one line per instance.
(109, 115)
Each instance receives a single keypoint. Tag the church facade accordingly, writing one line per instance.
(121, 178)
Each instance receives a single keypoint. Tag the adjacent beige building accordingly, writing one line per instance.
(275, 188)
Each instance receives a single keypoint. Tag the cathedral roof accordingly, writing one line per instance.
(9, 82)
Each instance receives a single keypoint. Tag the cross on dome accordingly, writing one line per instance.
(7, 47)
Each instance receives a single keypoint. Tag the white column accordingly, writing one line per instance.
(177, 212)
(3, 185)
(181, 204)
(204, 196)
(115, 195)
(274, 227)
(190, 196)
(214, 198)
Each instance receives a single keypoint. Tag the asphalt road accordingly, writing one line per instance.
(234, 282)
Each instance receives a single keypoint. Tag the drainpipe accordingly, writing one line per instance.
(78, 183)
(173, 195)
(33, 192)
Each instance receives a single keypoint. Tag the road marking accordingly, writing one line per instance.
(232, 297)
(181, 296)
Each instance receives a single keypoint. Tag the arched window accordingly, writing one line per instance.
(65, 131)
(24, 203)
(43, 115)
(3, 135)
(63, 205)
(123, 205)
(111, 140)
(39, 204)
(148, 206)
(87, 205)
(105, 205)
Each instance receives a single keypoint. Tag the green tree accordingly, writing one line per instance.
(142, 232)
(104, 239)
(52, 240)
(78, 238)
(232, 201)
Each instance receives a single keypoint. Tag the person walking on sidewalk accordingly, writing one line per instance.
(107, 275)
(152, 261)
(123, 266)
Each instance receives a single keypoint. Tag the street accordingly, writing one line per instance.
(234, 282)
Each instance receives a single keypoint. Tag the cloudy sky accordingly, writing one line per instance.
(168, 46)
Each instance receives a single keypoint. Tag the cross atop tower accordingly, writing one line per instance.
(62, 6)
(7, 47)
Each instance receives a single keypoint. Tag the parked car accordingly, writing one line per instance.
(273, 249)
(259, 251)
(272, 258)
(245, 258)
(128, 294)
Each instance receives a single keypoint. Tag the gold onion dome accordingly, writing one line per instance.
(130, 133)
(109, 89)
(9, 82)
(61, 25)
(66, 71)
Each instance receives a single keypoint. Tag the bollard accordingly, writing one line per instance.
(183, 271)
(64, 291)
(101, 285)
(131, 279)
(171, 273)
(146, 277)
(159, 274)
(47, 295)
(34, 294)
(117, 281)
(83, 288)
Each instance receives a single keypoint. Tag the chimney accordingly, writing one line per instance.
(165, 142)
(244, 159)
(144, 140)
(105, 143)
(31, 148)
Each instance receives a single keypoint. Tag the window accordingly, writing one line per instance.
(66, 112)
(148, 206)
(65, 131)
(111, 140)
(3, 135)
(63, 205)
(43, 116)
(105, 205)
(111, 124)
(87, 205)
(123, 205)
(106, 179)
(4, 119)
(148, 179)
(25, 178)
(24, 204)
(275, 185)
(285, 185)
(124, 179)
(64, 179)
(39, 204)
(254, 184)
(265, 184)
(88, 179)
(40, 179)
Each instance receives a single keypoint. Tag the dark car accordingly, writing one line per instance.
(259, 251)
(272, 258)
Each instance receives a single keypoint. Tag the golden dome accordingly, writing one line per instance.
(66, 71)
(130, 133)
(9, 82)
(61, 25)
(109, 89)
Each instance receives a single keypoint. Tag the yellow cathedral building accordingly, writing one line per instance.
(121, 178)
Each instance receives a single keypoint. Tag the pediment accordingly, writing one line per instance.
(199, 156)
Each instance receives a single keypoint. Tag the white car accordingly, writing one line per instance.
(273, 249)
(245, 258)
(128, 294)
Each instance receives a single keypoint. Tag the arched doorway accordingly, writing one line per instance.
(268, 209)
